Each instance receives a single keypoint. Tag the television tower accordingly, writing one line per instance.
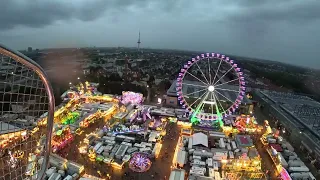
(139, 42)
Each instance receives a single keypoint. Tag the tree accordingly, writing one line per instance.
(151, 80)
(144, 63)
(164, 85)
(115, 77)
(120, 62)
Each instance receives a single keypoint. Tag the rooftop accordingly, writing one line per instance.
(120, 115)
(290, 98)
(303, 109)
(6, 128)
(200, 139)
(244, 140)
(122, 149)
(177, 174)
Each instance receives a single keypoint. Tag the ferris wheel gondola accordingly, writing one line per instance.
(210, 87)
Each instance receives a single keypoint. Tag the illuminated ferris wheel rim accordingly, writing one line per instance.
(211, 87)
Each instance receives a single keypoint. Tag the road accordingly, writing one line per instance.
(267, 163)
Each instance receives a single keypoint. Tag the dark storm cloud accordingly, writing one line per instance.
(45, 12)
(294, 11)
(283, 30)
(258, 21)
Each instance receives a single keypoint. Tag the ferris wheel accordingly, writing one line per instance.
(210, 87)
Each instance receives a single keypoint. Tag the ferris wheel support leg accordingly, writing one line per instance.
(220, 120)
(193, 118)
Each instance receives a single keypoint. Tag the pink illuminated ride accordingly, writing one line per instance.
(131, 97)
(140, 162)
(210, 86)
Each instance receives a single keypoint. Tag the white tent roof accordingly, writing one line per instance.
(181, 159)
(200, 139)
(177, 174)
(152, 136)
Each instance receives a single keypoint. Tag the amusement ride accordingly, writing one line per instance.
(210, 87)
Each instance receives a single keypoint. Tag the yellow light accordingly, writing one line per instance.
(82, 150)
(255, 162)
(224, 161)
(24, 133)
(174, 160)
(116, 165)
(158, 151)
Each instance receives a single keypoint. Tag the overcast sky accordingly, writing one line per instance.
(281, 30)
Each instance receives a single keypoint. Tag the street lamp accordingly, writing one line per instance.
(148, 90)
(70, 83)
(78, 78)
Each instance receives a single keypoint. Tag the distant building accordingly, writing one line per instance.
(29, 49)
(298, 114)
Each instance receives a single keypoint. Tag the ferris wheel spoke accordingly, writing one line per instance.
(226, 82)
(217, 99)
(227, 90)
(223, 76)
(203, 102)
(201, 110)
(197, 99)
(209, 71)
(207, 100)
(224, 96)
(212, 104)
(196, 92)
(217, 71)
(193, 85)
(194, 102)
(202, 73)
(196, 78)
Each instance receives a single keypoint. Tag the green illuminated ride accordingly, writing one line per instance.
(70, 118)
(210, 87)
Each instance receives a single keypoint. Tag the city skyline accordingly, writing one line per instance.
(279, 31)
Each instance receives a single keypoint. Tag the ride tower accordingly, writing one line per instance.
(139, 42)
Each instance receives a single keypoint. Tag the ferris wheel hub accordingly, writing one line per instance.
(211, 88)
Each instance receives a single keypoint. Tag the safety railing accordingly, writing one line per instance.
(26, 117)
